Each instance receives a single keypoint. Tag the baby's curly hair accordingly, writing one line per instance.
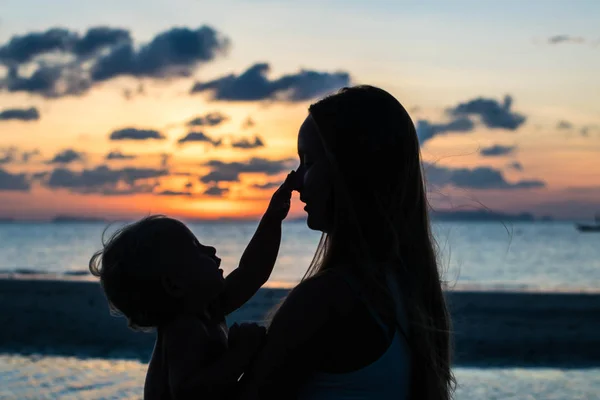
(132, 264)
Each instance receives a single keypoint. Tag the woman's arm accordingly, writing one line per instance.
(260, 255)
(293, 346)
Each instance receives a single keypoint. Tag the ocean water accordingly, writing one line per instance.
(38, 378)
(486, 255)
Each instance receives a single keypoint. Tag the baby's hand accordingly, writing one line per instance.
(247, 337)
(280, 202)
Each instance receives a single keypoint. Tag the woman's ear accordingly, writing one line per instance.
(172, 286)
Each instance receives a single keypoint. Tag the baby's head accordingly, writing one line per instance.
(155, 269)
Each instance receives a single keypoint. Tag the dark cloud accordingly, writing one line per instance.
(176, 52)
(210, 119)
(199, 137)
(8, 155)
(173, 193)
(493, 114)
(215, 191)
(117, 155)
(564, 125)
(104, 180)
(497, 150)
(427, 130)
(21, 114)
(99, 38)
(557, 39)
(136, 134)
(266, 186)
(66, 157)
(101, 54)
(517, 166)
(230, 172)
(245, 143)
(24, 48)
(253, 84)
(26, 156)
(13, 155)
(13, 182)
(49, 81)
(476, 178)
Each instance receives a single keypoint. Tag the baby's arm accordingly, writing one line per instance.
(260, 255)
(190, 374)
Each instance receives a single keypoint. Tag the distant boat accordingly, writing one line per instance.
(590, 227)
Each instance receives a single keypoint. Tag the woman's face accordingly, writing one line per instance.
(317, 184)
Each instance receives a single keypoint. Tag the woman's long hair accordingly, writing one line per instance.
(380, 223)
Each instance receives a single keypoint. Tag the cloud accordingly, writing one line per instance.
(22, 49)
(26, 156)
(173, 193)
(59, 62)
(210, 119)
(164, 160)
(215, 191)
(12, 155)
(8, 155)
(497, 150)
(245, 143)
(564, 125)
(13, 182)
(49, 81)
(98, 38)
(517, 166)
(176, 52)
(476, 178)
(427, 130)
(21, 114)
(66, 157)
(230, 172)
(266, 186)
(248, 123)
(199, 137)
(129, 94)
(253, 85)
(117, 155)
(104, 180)
(557, 39)
(585, 130)
(493, 114)
(136, 134)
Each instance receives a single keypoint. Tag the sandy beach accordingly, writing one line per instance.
(69, 316)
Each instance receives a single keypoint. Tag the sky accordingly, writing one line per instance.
(191, 108)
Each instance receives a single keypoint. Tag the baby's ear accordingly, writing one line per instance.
(172, 287)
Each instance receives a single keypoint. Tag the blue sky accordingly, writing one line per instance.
(432, 55)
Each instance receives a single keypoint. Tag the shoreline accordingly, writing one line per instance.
(45, 315)
(85, 276)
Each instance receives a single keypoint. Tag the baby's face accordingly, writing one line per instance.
(206, 279)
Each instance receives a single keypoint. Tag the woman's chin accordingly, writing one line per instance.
(315, 224)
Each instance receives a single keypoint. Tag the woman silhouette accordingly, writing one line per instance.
(369, 319)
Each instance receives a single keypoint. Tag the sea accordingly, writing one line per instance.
(519, 256)
(485, 255)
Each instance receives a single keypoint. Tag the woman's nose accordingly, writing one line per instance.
(300, 177)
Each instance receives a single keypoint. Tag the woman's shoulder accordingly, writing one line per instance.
(327, 288)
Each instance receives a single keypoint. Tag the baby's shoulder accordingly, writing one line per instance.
(184, 325)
